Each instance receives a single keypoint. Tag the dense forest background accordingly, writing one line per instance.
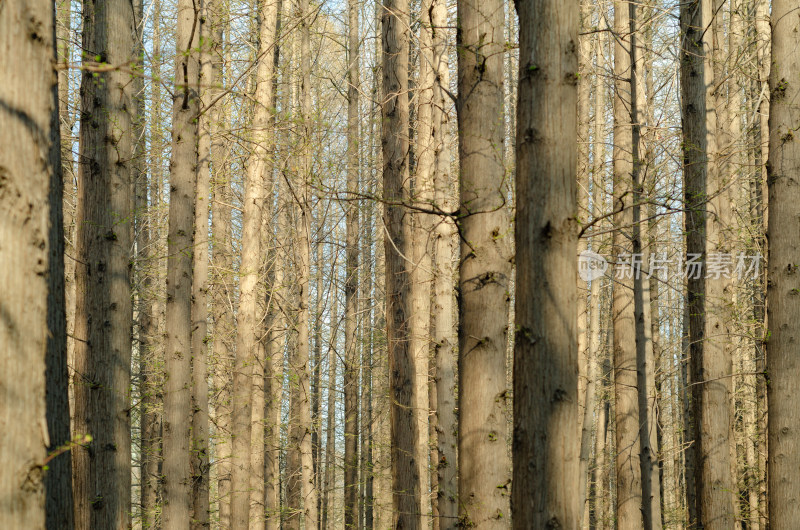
(401, 264)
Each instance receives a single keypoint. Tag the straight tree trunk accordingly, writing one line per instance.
(401, 360)
(485, 269)
(693, 116)
(200, 419)
(645, 359)
(443, 325)
(330, 440)
(180, 245)
(593, 328)
(351, 389)
(249, 316)
(422, 196)
(628, 470)
(783, 305)
(546, 354)
(711, 370)
(32, 330)
(300, 431)
(102, 468)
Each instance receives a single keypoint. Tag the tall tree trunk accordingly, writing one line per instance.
(32, 330)
(783, 313)
(180, 245)
(402, 365)
(422, 196)
(330, 440)
(593, 328)
(485, 269)
(102, 468)
(628, 471)
(443, 325)
(200, 420)
(300, 467)
(711, 370)
(351, 278)
(545, 347)
(248, 392)
(693, 116)
(645, 359)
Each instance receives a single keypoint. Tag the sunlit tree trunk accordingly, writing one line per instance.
(546, 447)
(628, 471)
(783, 304)
(180, 245)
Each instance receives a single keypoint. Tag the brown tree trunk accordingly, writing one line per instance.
(102, 469)
(351, 389)
(180, 245)
(485, 269)
(783, 304)
(32, 329)
(628, 470)
(545, 492)
(402, 365)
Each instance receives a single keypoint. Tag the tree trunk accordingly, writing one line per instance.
(629, 479)
(180, 244)
(32, 330)
(102, 469)
(200, 420)
(443, 325)
(351, 389)
(485, 269)
(783, 313)
(402, 365)
(546, 350)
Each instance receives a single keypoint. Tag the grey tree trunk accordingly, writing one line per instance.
(546, 483)
(628, 470)
(444, 333)
(180, 246)
(102, 468)
(783, 305)
(32, 330)
(351, 389)
(485, 269)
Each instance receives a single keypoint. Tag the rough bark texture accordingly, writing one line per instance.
(402, 365)
(351, 389)
(783, 303)
(485, 269)
(180, 248)
(32, 329)
(443, 326)
(629, 480)
(245, 387)
(545, 493)
(104, 313)
(300, 472)
(200, 420)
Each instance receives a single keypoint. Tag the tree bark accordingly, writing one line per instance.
(628, 470)
(180, 245)
(783, 304)
(102, 468)
(351, 389)
(545, 445)
(402, 365)
(32, 330)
